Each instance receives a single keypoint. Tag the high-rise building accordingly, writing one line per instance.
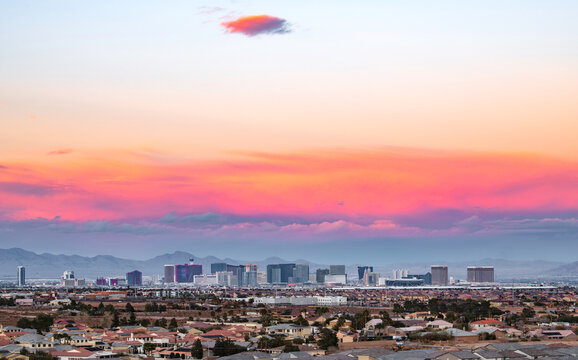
(477, 274)
(241, 275)
(134, 278)
(301, 273)
(361, 271)
(439, 275)
(320, 275)
(68, 275)
(425, 277)
(279, 273)
(400, 274)
(21, 275)
(181, 273)
(218, 267)
(100, 282)
(169, 273)
(186, 273)
(336, 269)
(250, 267)
(370, 278)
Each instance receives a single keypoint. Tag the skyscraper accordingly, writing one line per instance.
(480, 274)
(301, 273)
(439, 275)
(186, 273)
(279, 273)
(361, 271)
(320, 275)
(336, 269)
(134, 278)
(21, 275)
(169, 273)
(218, 267)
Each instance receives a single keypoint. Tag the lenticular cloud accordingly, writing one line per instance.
(257, 25)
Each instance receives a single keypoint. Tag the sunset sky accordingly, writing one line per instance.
(336, 131)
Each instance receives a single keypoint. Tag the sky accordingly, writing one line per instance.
(335, 131)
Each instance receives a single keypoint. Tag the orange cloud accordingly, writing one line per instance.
(256, 25)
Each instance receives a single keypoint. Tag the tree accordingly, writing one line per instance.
(321, 310)
(197, 350)
(398, 309)
(300, 320)
(290, 348)
(129, 308)
(173, 324)
(528, 313)
(148, 347)
(226, 347)
(266, 320)
(327, 339)
(132, 319)
(115, 320)
(380, 327)
(41, 323)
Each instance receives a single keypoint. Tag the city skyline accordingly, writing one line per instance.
(334, 131)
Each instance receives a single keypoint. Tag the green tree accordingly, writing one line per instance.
(398, 309)
(300, 320)
(290, 348)
(173, 324)
(197, 350)
(226, 347)
(128, 307)
(132, 319)
(327, 339)
(528, 313)
(115, 320)
(42, 323)
(148, 347)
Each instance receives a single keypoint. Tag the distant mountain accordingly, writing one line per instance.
(568, 270)
(50, 266)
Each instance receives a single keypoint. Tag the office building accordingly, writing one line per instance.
(205, 280)
(335, 279)
(480, 274)
(361, 271)
(250, 267)
(249, 278)
(399, 274)
(301, 273)
(218, 267)
(370, 278)
(425, 277)
(21, 275)
(279, 273)
(186, 273)
(100, 282)
(439, 275)
(169, 273)
(68, 275)
(241, 275)
(336, 269)
(320, 275)
(134, 278)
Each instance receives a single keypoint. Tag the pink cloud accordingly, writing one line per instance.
(359, 187)
(257, 25)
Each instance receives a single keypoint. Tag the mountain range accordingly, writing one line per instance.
(51, 266)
